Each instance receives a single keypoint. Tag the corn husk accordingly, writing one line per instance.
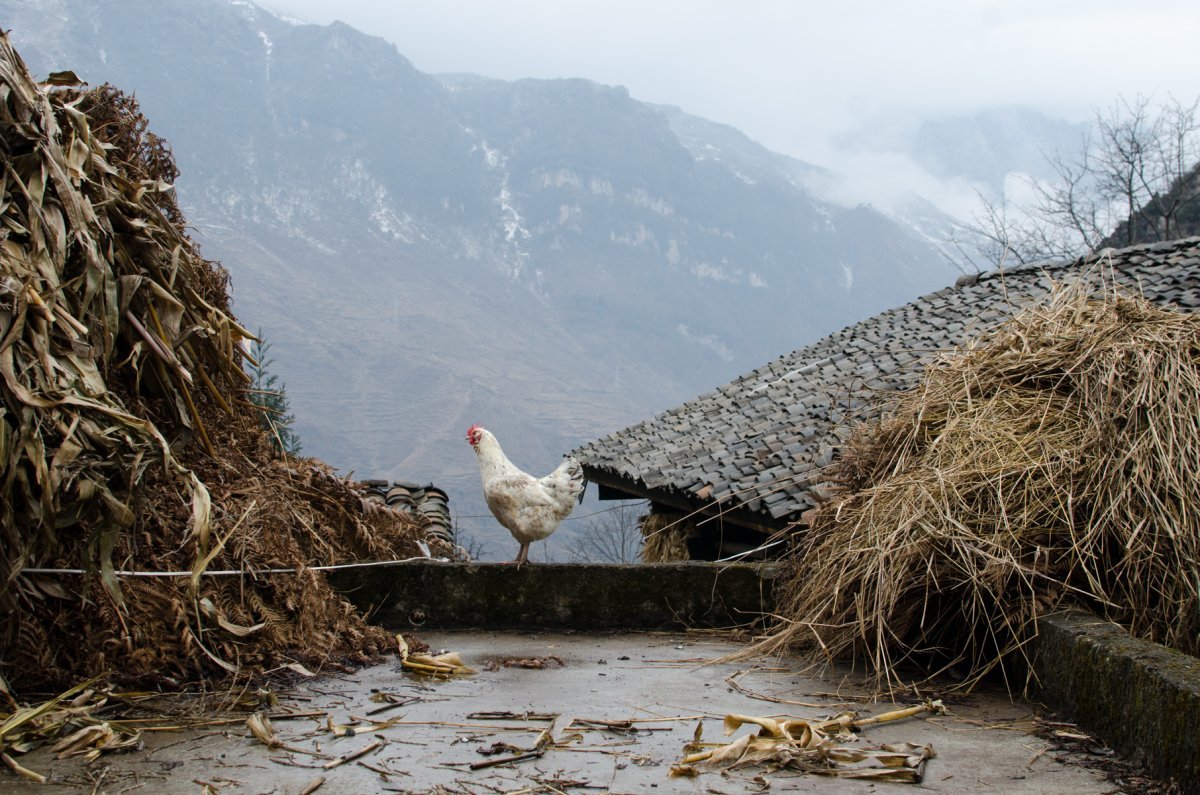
(126, 439)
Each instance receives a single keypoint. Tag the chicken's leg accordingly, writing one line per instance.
(522, 556)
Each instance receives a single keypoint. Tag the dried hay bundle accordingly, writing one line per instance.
(125, 441)
(1055, 460)
(664, 536)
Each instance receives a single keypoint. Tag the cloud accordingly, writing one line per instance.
(891, 181)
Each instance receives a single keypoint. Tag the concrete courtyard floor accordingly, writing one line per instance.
(985, 743)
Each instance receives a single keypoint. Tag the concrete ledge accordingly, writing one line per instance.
(1139, 697)
(551, 595)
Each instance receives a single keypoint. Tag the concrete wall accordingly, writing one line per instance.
(1139, 697)
(496, 596)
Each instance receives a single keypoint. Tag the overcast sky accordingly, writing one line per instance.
(793, 75)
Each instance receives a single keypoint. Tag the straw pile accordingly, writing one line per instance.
(126, 440)
(665, 536)
(1054, 461)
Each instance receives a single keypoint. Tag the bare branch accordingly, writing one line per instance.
(609, 537)
(1135, 181)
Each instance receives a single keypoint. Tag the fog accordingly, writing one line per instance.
(802, 78)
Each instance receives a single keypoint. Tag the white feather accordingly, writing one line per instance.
(530, 508)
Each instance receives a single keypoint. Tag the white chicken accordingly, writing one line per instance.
(531, 508)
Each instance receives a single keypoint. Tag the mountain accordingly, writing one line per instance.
(550, 258)
(980, 148)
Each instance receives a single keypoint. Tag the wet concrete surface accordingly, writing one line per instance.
(659, 680)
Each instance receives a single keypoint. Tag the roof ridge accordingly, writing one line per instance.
(1048, 265)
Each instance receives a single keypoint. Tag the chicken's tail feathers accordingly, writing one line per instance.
(574, 471)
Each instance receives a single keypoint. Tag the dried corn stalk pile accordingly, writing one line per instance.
(1056, 460)
(126, 442)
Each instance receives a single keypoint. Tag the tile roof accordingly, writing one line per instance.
(757, 444)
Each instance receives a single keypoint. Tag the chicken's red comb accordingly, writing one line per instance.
(471, 431)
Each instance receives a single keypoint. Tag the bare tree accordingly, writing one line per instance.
(470, 545)
(1069, 214)
(611, 536)
(1124, 185)
(1124, 165)
(1165, 193)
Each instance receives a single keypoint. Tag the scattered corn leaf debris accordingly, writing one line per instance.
(69, 720)
(91, 741)
(813, 746)
(358, 726)
(447, 664)
(260, 726)
(498, 748)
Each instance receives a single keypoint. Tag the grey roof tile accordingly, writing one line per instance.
(778, 424)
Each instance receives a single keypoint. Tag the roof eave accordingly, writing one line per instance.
(709, 510)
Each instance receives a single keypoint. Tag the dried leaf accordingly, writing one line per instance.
(209, 610)
(64, 78)
(683, 771)
(770, 727)
(448, 664)
(260, 726)
(201, 513)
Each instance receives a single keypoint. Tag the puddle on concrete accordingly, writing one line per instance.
(658, 680)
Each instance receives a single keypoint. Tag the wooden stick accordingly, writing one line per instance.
(20, 770)
(506, 759)
(341, 760)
